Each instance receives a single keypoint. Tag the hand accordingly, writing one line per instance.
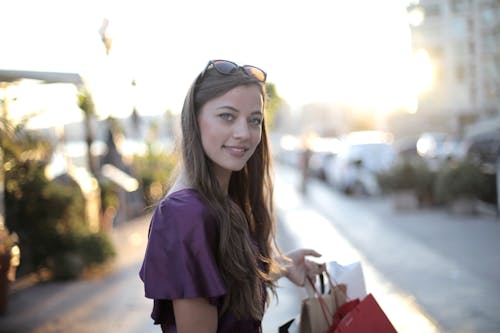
(299, 266)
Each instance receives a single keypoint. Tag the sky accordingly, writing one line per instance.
(355, 52)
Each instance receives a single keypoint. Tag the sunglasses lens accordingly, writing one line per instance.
(225, 67)
(258, 73)
(228, 67)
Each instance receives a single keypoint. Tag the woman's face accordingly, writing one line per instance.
(231, 128)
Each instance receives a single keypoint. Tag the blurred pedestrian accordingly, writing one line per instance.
(305, 160)
(211, 256)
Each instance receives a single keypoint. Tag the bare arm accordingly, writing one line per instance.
(195, 315)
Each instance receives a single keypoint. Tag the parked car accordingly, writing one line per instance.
(485, 150)
(319, 162)
(362, 156)
(323, 149)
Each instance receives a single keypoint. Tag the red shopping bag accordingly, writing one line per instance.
(364, 316)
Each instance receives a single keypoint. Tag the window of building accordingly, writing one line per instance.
(459, 27)
(460, 72)
(472, 70)
(470, 25)
(473, 94)
(487, 17)
(457, 6)
(472, 47)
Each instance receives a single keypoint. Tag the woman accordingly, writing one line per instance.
(211, 254)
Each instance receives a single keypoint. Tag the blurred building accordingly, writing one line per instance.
(462, 40)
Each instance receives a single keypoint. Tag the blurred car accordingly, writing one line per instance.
(318, 163)
(485, 150)
(288, 151)
(406, 150)
(362, 156)
(433, 148)
(430, 146)
(323, 149)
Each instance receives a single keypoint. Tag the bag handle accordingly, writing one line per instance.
(324, 307)
(333, 284)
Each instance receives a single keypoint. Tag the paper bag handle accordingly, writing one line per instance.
(324, 307)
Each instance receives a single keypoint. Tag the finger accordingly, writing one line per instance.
(313, 268)
(310, 252)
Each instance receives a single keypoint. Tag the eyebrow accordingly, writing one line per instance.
(236, 110)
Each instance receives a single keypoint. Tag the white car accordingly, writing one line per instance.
(357, 164)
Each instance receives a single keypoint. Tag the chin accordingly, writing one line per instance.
(236, 167)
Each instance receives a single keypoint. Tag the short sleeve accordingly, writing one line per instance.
(180, 255)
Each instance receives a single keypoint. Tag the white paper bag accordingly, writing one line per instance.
(351, 275)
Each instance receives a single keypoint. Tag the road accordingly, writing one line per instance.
(430, 271)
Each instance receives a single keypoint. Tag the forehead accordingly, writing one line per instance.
(245, 97)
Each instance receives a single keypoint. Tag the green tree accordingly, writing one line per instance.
(274, 103)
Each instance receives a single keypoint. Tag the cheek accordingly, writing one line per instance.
(258, 136)
(212, 135)
(256, 139)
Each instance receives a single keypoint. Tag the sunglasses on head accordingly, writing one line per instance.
(227, 67)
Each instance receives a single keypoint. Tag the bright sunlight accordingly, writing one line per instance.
(314, 51)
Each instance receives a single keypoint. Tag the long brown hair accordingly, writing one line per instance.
(245, 216)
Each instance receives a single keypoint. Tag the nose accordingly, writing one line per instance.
(241, 130)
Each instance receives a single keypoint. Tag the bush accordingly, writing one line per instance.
(48, 216)
(80, 251)
(96, 248)
(424, 186)
(462, 180)
(410, 175)
(402, 176)
(66, 265)
(44, 214)
(154, 170)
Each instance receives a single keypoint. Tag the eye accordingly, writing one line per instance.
(255, 121)
(226, 116)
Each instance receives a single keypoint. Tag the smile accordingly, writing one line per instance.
(235, 151)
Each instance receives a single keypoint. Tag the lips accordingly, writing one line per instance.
(237, 151)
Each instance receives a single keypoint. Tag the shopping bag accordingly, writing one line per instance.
(317, 312)
(350, 275)
(365, 316)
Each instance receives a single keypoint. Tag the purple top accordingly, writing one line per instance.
(180, 261)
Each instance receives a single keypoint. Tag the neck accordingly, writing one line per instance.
(223, 177)
(181, 182)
